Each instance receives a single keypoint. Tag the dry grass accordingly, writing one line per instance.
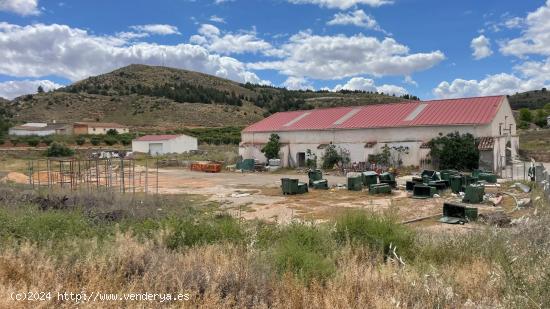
(491, 268)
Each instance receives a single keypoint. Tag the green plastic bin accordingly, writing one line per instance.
(488, 177)
(447, 174)
(456, 183)
(355, 183)
(474, 194)
(471, 213)
(458, 213)
(314, 175)
(423, 191)
(320, 184)
(246, 165)
(302, 188)
(369, 178)
(431, 174)
(293, 186)
(409, 185)
(379, 188)
(440, 185)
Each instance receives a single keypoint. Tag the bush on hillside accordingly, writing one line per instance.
(48, 140)
(110, 140)
(80, 140)
(95, 140)
(59, 150)
(33, 141)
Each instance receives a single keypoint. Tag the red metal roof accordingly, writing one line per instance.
(466, 111)
(156, 138)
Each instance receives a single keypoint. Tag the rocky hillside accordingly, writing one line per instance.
(160, 97)
(531, 99)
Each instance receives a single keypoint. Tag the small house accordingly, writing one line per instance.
(98, 128)
(164, 144)
(40, 129)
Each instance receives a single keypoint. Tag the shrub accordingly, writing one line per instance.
(110, 140)
(455, 151)
(33, 141)
(59, 150)
(335, 156)
(95, 140)
(523, 125)
(272, 148)
(48, 140)
(80, 140)
(112, 132)
(525, 115)
(187, 233)
(377, 232)
(14, 141)
(125, 141)
(305, 251)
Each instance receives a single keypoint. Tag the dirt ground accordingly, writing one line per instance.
(259, 196)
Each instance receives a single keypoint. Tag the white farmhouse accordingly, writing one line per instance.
(164, 144)
(40, 129)
(364, 130)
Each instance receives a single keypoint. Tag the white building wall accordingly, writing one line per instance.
(19, 132)
(102, 130)
(180, 144)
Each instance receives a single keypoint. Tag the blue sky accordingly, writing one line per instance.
(433, 49)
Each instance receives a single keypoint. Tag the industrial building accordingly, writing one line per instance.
(98, 128)
(164, 144)
(40, 129)
(406, 128)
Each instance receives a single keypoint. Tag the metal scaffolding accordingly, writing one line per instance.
(115, 174)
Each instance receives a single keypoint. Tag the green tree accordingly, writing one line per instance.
(48, 140)
(40, 89)
(59, 150)
(112, 132)
(80, 140)
(334, 156)
(110, 140)
(525, 115)
(33, 141)
(455, 151)
(272, 148)
(95, 140)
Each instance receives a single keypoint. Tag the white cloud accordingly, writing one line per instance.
(229, 43)
(535, 38)
(298, 83)
(222, 1)
(217, 19)
(156, 29)
(39, 50)
(481, 47)
(342, 4)
(367, 84)
(13, 89)
(21, 7)
(358, 18)
(335, 57)
(514, 22)
(498, 84)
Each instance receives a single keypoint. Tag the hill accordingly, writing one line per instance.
(161, 97)
(531, 99)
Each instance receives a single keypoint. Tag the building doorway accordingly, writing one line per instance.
(301, 159)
